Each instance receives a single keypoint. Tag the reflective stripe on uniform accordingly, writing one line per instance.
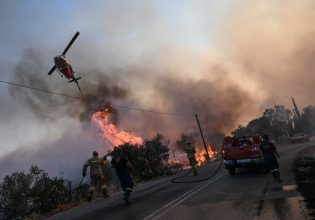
(274, 170)
(129, 189)
(104, 186)
(92, 188)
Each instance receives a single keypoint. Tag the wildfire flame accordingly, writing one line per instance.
(110, 132)
(115, 137)
(201, 154)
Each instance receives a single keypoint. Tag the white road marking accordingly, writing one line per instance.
(167, 207)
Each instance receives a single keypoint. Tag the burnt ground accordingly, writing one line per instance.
(304, 172)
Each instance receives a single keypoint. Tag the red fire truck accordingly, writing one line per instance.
(241, 152)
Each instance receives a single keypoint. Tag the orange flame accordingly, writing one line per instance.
(201, 154)
(110, 132)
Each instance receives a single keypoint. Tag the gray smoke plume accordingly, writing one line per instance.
(272, 43)
(63, 158)
(266, 54)
(30, 71)
(218, 102)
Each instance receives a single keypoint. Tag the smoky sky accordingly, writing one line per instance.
(64, 158)
(273, 44)
(30, 71)
(133, 55)
(219, 101)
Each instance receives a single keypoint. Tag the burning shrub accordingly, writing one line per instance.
(201, 153)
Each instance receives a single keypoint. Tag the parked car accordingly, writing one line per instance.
(300, 138)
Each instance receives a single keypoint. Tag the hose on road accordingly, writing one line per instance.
(176, 180)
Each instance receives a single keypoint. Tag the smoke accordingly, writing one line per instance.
(64, 157)
(265, 55)
(30, 71)
(273, 44)
(219, 101)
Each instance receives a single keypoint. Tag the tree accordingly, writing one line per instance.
(276, 122)
(149, 159)
(307, 122)
(157, 154)
(137, 157)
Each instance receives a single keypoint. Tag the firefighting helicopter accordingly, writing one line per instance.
(63, 66)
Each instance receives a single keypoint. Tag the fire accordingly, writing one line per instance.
(110, 132)
(201, 154)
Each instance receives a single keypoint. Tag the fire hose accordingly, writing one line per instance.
(175, 180)
(81, 184)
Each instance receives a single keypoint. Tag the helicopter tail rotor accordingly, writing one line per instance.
(74, 79)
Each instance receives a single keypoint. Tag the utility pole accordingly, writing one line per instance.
(203, 139)
(296, 110)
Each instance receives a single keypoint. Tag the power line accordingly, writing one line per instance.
(41, 90)
(117, 106)
(152, 111)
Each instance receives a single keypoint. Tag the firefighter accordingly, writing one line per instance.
(190, 151)
(124, 170)
(95, 163)
(269, 153)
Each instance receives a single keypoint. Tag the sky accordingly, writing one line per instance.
(227, 60)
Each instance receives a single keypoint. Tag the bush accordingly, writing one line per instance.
(22, 194)
(15, 194)
(149, 160)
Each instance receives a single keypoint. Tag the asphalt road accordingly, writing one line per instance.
(249, 194)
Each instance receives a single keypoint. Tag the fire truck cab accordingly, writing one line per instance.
(239, 152)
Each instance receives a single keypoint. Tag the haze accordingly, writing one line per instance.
(225, 60)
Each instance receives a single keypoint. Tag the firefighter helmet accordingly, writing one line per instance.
(95, 153)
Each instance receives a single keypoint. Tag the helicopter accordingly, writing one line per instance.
(63, 66)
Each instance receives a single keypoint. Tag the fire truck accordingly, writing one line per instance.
(240, 152)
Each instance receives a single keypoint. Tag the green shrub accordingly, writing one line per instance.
(22, 194)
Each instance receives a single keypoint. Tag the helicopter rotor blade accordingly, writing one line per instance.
(52, 70)
(70, 43)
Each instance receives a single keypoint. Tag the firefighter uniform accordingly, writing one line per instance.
(123, 170)
(190, 151)
(95, 163)
(269, 153)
